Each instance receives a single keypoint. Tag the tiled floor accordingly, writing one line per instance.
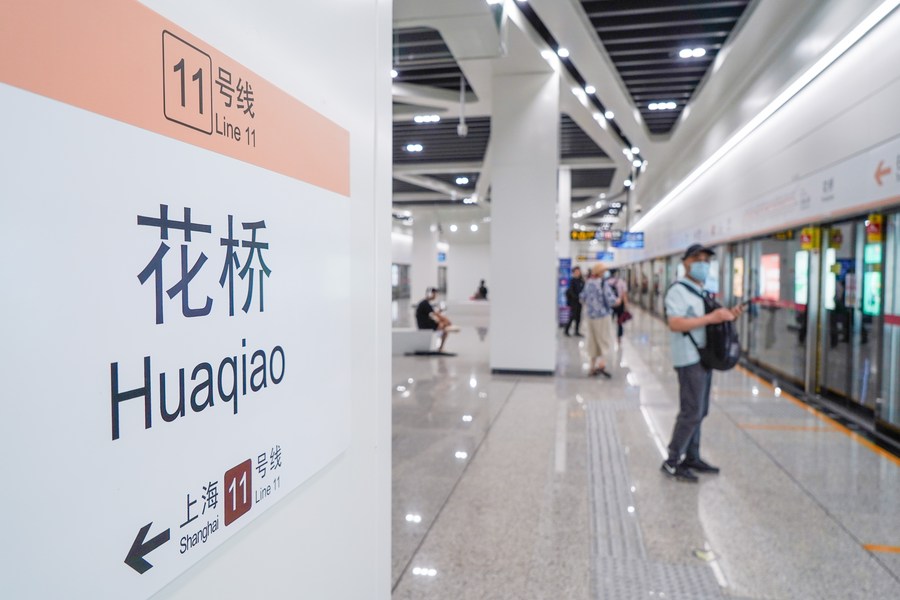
(549, 487)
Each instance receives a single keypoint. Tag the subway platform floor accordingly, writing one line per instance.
(550, 487)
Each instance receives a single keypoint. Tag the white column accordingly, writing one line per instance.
(525, 148)
(423, 270)
(564, 213)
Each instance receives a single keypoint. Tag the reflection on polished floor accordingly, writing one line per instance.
(549, 487)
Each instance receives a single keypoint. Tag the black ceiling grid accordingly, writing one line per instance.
(545, 34)
(592, 178)
(575, 143)
(644, 39)
(440, 141)
(421, 57)
(451, 179)
(400, 186)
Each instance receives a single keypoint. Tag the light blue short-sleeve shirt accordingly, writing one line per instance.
(680, 302)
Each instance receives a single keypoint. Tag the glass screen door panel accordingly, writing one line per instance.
(777, 319)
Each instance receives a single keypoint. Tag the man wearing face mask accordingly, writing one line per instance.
(685, 313)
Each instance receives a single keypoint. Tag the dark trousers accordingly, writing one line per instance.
(694, 382)
(617, 312)
(574, 317)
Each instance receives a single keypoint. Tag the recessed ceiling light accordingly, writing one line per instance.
(637, 162)
(562, 52)
(462, 180)
(692, 52)
(394, 73)
(610, 115)
(453, 228)
(627, 183)
(427, 118)
(598, 204)
(635, 150)
(414, 147)
(473, 227)
(589, 89)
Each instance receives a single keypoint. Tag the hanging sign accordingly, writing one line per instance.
(809, 238)
(874, 228)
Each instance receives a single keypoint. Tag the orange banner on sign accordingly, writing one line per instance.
(119, 59)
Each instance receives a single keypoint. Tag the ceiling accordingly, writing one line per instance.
(437, 45)
(644, 40)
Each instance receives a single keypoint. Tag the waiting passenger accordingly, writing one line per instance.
(481, 292)
(620, 313)
(576, 284)
(686, 313)
(430, 317)
(600, 300)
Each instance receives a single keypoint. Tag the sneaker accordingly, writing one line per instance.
(701, 466)
(605, 373)
(679, 472)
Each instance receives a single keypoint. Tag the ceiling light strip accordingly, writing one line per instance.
(856, 34)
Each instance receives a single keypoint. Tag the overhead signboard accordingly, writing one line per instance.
(577, 235)
(181, 339)
(630, 240)
(606, 256)
(608, 235)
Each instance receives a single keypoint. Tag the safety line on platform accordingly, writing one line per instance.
(823, 417)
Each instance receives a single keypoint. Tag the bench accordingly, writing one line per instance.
(409, 340)
(417, 342)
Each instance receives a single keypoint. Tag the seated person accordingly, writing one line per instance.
(480, 293)
(429, 317)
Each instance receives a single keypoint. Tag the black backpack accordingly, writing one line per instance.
(723, 349)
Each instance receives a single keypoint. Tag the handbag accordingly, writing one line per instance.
(624, 317)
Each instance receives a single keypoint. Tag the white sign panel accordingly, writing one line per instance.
(864, 182)
(175, 335)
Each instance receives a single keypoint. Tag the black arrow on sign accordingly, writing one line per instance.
(140, 548)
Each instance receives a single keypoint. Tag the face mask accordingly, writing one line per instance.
(700, 271)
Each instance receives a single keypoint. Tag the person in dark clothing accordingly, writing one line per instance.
(481, 292)
(621, 288)
(576, 285)
(429, 317)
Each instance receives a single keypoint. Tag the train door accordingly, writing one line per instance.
(645, 284)
(776, 323)
(851, 324)
(659, 283)
(888, 408)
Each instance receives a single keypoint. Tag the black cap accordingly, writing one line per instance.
(695, 249)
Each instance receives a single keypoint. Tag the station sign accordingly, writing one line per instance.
(577, 235)
(606, 235)
(180, 334)
(606, 256)
(630, 240)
